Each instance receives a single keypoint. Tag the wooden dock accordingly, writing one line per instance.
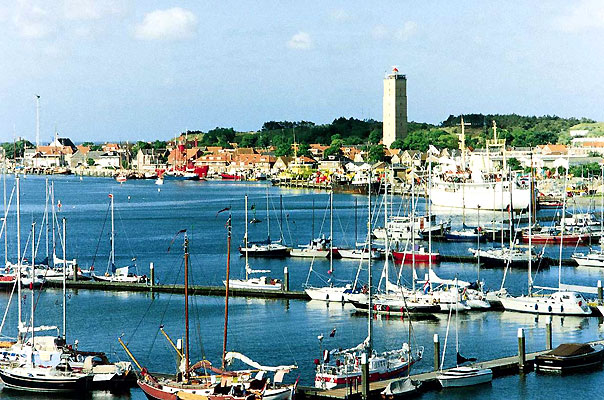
(179, 289)
(501, 367)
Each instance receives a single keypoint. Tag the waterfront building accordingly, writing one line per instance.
(149, 159)
(249, 164)
(217, 163)
(394, 107)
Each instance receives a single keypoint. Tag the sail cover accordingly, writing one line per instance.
(232, 355)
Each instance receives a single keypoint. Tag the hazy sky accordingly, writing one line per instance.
(125, 69)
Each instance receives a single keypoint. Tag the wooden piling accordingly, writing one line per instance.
(599, 292)
(151, 276)
(548, 333)
(436, 352)
(285, 279)
(521, 350)
(364, 377)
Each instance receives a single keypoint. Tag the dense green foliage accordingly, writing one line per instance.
(92, 146)
(11, 148)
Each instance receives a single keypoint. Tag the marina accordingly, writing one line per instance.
(141, 203)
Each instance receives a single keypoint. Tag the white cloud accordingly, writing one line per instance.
(408, 30)
(300, 41)
(91, 9)
(379, 32)
(383, 32)
(33, 21)
(586, 14)
(341, 15)
(171, 24)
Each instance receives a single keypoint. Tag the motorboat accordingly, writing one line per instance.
(266, 248)
(464, 376)
(569, 357)
(595, 258)
(400, 388)
(59, 379)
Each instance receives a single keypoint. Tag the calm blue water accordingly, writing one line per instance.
(269, 331)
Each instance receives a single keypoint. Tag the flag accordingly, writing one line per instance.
(110, 195)
(325, 356)
(228, 223)
(224, 209)
(333, 333)
(395, 69)
(253, 207)
(426, 287)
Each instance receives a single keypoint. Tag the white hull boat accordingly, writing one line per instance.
(591, 259)
(464, 376)
(336, 294)
(486, 195)
(262, 283)
(357, 254)
(558, 303)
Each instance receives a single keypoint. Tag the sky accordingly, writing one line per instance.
(110, 70)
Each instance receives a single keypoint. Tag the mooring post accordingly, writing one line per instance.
(548, 333)
(285, 279)
(151, 275)
(521, 350)
(364, 377)
(436, 352)
(599, 292)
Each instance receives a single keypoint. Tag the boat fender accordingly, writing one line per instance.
(434, 301)
(536, 307)
(549, 308)
(561, 308)
(387, 308)
(402, 309)
(580, 303)
(79, 358)
(375, 307)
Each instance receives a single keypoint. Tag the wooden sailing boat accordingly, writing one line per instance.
(222, 384)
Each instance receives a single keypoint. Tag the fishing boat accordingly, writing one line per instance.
(421, 255)
(121, 178)
(126, 274)
(262, 282)
(461, 376)
(569, 357)
(213, 383)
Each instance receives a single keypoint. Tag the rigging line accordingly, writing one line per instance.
(119, 216)
(101, 235)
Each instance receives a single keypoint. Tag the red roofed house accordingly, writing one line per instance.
(218, 163)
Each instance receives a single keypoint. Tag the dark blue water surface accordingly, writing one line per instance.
(269, 331)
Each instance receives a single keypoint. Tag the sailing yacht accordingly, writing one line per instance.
(594, 258)
(559, 302)
(460, 376)
(262, 282)
(220, 383)
(122, 274)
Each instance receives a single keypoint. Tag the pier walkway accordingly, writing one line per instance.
(501, 367)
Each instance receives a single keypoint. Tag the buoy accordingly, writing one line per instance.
(158, 190)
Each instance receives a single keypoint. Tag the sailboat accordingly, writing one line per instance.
(594, 258)
(220, 384)
(264, 248)
(262, 282)
(121, 274)
(345, 369)
(559, 302)
(461, 376)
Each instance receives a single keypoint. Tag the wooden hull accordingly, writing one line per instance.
(552, 363)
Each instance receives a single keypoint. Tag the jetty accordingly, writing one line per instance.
(519, 364)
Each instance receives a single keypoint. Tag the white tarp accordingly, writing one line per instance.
(232, 355)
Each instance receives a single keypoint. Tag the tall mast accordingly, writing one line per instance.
(313, 219)
(226, 297)
(369, 294)
(247, 265)
(281, 216)
(478, 244)
(112, 236)
(386, 231)
(413, 225)
(430, 214)
(462, 144)
(54, 216)
(268, 217)
(186, 306)
(331, 231)
(46, 219)
(530, 230)
(356, 228)
(20, 311)
(37, 121)
(5, 213)
(64, 282)
(33, 274)
(562, 225)
(601, 201)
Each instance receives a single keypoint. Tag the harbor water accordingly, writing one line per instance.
(148, 217)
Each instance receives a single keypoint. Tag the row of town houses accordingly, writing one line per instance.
(63, 153)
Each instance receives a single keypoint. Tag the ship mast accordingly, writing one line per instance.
(228, 272)
(186, 246)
